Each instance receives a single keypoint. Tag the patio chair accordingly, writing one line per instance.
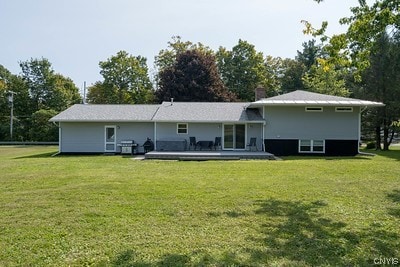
(192, 142)
(217, 143)
(253, 144)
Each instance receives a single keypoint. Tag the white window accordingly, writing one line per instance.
(182, 128)
(312, 146)
(314, 109)
(344, 109)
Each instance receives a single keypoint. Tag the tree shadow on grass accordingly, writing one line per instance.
(128, 258)
(395, 197)
(291, 233)
(296, 232)
(391, 154)
(38, 156)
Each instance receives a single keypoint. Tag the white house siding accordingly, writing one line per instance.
(296, 123)
(82, 137)
(137, 131)
(202, 131)
(255, 130)
(88, 137)
(285, 126)
(205, 132)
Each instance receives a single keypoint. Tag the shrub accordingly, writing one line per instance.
(371, 145)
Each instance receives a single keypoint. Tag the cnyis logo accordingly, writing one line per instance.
(386, 261)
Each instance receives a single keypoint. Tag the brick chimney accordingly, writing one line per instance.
(259, 93)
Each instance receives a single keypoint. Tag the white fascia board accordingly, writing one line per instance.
(108, 121)
(319, 103)
(208, 121)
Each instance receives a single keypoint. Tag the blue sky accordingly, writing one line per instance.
(74, 35)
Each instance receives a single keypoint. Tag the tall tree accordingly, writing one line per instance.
(38, 76)
(325, 80)
(5, 81)
(291, 77)
(364, 29)
(101, 93)
(47, 89)
(22, 106)
(49, 93)
(274, 70)
(356, 46)
(381, 83)
(193, 77)
(41, 129)
(63, 93)
(243, 69)
(167, 57)
(128, 78)
(310, 54)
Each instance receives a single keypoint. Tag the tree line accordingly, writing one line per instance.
(363, 63)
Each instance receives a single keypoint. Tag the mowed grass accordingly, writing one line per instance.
(115, 211)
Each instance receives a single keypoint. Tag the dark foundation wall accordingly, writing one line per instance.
(290, 147)
(341, 147)
(282, 147)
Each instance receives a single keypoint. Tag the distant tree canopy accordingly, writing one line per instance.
(167, 57)
(193, 77)
(40, 93)
(370, 51)
(189, 71)
(126, 81)
(242, 69)
(380, 82)
(366, 25)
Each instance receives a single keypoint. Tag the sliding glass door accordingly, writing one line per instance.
(234, 136)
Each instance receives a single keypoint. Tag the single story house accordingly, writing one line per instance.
(299, 122)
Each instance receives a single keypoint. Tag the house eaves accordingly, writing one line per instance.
(206, 112)
(304, 98)
(107, 113)
(196, 112)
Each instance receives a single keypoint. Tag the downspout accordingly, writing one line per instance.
(263, 129)
(262, 137)
(155, 136)
(155, 126)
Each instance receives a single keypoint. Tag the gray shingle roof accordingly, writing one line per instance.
(300, 97)
(99, 113)
(206, 112)
(200, 111)
(177, 112)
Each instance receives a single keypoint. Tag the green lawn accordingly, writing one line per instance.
(114, 211)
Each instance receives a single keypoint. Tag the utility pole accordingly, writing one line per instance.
(11, 102)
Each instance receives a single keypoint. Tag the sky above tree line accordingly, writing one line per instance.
(74, 35)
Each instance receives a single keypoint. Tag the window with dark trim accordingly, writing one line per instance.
(312, 146)
(344, 109)
(182, 128)
(314, 109)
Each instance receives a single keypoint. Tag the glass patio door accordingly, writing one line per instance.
(234, 136)
(110, 144)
